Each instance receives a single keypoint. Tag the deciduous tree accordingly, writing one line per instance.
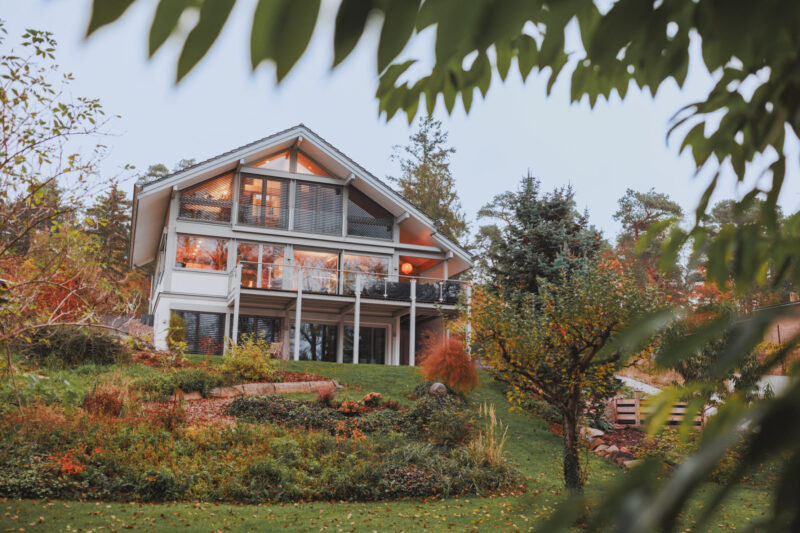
(560, 346)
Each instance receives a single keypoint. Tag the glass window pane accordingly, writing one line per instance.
(371, 346)
(317, 342)
(275, 162)
(320, 270)
(373, 271)
(211, 200)
(306, 165)
(204, 253)
(318, 208)
(264, 202)
(247, 256)
(271, 266)
(365, 218)
(266, 328)
(205, 332)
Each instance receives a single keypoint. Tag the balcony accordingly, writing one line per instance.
(338, 282)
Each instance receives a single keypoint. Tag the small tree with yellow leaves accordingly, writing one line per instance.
(558, 345)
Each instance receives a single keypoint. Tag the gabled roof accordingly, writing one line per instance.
(335, 159)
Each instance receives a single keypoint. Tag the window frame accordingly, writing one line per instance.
(185, 268)
(285, 201)
(182, 194)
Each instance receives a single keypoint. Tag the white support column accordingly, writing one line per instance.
(340, 340)
(412, 325)
(298, 311)
(357, 320)
(235, 329)
(468, 330)
(396, 344)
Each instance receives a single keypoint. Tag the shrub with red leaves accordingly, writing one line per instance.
(447, 361)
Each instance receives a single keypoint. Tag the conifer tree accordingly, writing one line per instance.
(109, 221)
(533, 236)
(426, 180)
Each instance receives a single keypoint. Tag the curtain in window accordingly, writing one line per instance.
(318, 208)
(264, 202)
(211, 200)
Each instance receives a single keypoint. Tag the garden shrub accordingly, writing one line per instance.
(349, 408)
(325, 397)
(448, 362)
(70, 346)
(176, 332)
(251, 359)
(409, 480)
(164, 385)
(104, 400)
(421, 390)
(373, 399)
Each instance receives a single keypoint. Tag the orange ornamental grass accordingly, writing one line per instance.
(448, 361)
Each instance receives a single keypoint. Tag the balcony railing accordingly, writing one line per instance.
(343, 282)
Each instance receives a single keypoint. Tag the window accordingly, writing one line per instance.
(371, 345)
(320, 270)
(262, 265)
(317, 342)
(306, 165)
(280, 161)
(372, 270)
(210, 201)
(318, 208)
(266, 328)
(365, 218)
(264, 202)
(203, 253)
(205, 332)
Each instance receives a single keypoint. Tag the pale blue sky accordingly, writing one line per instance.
(222, 104)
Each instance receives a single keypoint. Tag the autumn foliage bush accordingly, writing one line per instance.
(449, 363)
(106, 400)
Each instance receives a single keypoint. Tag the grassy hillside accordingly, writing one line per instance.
(531, 445)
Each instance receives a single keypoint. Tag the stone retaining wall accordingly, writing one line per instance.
(261, 389)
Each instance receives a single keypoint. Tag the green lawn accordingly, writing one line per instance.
(531, 445)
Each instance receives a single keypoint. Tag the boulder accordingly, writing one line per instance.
(594, 432)
(595, 443)
(613, 448)
(631, 463)
(600, 449)
(438, 389)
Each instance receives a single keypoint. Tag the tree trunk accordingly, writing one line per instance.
(573, 478)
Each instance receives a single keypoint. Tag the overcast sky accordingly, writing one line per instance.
(222, 105)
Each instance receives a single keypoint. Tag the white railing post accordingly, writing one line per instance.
(412, 325)
(298, 314)
(357, 320)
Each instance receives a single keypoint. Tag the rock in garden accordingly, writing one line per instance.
(596, 443)
(613, 448)
(600, 449)
(631, 463)
(438, 389)
(594, 432)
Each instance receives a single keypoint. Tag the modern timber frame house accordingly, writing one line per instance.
(288, 230)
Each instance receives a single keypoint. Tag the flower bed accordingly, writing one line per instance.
(273, 449)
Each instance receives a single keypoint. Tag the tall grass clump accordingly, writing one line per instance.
(487, 446)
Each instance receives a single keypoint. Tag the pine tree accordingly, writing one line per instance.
(537, 236)
(640, 212)
(426, 179)
(109, 221)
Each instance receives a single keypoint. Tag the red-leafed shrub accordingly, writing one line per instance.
(106, 400)
(447, 361)
(325, 397)
(349, 408)
(373, 399)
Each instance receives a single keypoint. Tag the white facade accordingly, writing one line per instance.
(341, 253)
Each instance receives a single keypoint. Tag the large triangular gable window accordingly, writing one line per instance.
(306, 165)
(279, 161)
(210, 201)
(283, 161)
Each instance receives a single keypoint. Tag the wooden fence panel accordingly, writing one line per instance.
(634, 411)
